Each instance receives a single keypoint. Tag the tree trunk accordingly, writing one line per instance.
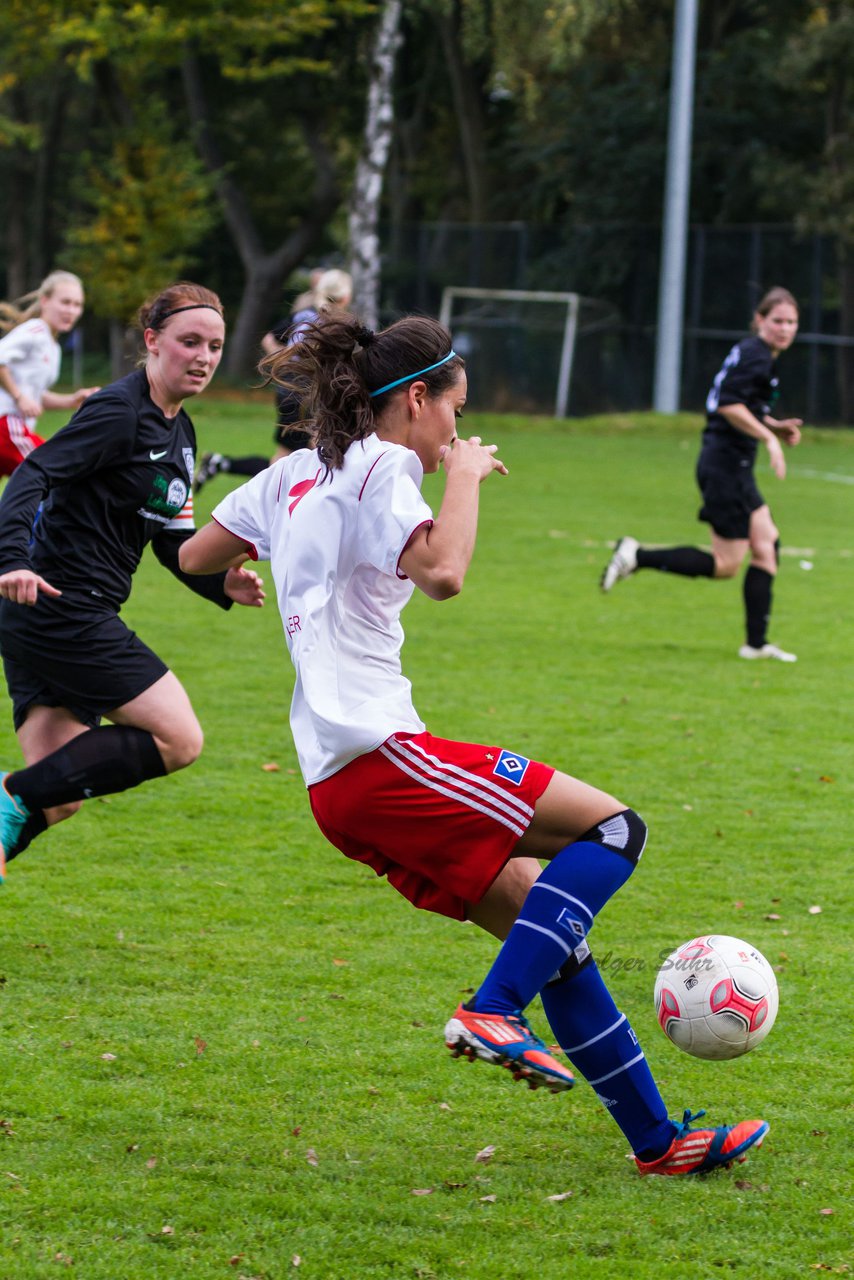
(124, 349)
(370, 170)
(18, 207)
(265, 272)
(845, 355)
(469, 113)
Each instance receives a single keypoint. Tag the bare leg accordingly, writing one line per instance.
(164, 710)
(43, 732)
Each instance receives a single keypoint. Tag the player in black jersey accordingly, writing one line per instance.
(74, 521)
(738, 409)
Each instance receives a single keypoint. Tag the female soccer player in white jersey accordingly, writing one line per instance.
(29, 362)
(456, 827)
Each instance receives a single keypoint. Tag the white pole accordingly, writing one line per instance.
(674, 239)
(566, 355)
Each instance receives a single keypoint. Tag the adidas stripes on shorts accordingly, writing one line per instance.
(438, 818)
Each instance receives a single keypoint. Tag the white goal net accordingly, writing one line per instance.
(521, 343)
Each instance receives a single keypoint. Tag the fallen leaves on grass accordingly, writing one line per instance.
(484, 1155)
(488, 1199)
(826, 1213)
(108, 1057)
(200, 1044)
(311, 1157)
(561, 1195)
(421, 1191)
(814, 911)
(271, 767)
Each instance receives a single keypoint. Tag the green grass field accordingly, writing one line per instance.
(221, 1043)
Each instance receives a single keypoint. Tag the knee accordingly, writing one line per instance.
(624, 832)
(60, 812)
(726, 567)
(183, 749)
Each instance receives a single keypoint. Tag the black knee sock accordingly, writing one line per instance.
(689, 562)
(97, 763)
(35, 824)
(251, 465)
(758, 584)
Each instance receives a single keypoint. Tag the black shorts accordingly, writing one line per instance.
(730, 495)
(72, 653)
(292, 438)
(290, 432)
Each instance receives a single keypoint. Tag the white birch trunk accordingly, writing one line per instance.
(364, 211)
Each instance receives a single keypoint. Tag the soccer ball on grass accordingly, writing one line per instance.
(716, 997)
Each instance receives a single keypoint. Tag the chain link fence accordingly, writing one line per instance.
(514, 356)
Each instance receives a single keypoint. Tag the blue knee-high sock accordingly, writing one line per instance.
(602, 1046)
(554, 920)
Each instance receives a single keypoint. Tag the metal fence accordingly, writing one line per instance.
(516, 357)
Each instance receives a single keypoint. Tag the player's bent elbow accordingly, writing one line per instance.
(192, 559)
(187, 557)
(443, 586)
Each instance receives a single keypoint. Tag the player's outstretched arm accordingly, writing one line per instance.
(211, 550)
(438, 557)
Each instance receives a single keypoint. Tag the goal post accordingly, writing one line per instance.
(569, 301)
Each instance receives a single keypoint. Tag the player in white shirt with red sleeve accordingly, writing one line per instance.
(457, 828)
(29, 363)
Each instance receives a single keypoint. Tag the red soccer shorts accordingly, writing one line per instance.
(16, 443)
(438, 818)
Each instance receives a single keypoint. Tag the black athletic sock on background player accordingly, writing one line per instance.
(688, 562)
(758, 585)
(251, 465)
(98, 763)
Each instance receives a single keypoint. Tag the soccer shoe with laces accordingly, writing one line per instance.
(508, 1041)
(622, 564)
(210, 466)
(766, 651)
(13, 815)
(702, 1150)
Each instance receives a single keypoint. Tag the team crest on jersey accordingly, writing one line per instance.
(177, 494)
(189, 461)
(511, 766)
(165, 500)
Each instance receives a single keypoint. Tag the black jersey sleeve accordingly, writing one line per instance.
(166, 546)
(101, 433)
(744, 380)
(281, 329)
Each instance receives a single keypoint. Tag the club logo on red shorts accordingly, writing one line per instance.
(511, 766)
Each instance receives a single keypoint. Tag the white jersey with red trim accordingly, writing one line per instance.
(334, 543)
(33, 354)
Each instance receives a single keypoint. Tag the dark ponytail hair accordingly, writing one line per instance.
(338, 362)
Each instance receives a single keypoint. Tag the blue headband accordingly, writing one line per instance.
(388, 386)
